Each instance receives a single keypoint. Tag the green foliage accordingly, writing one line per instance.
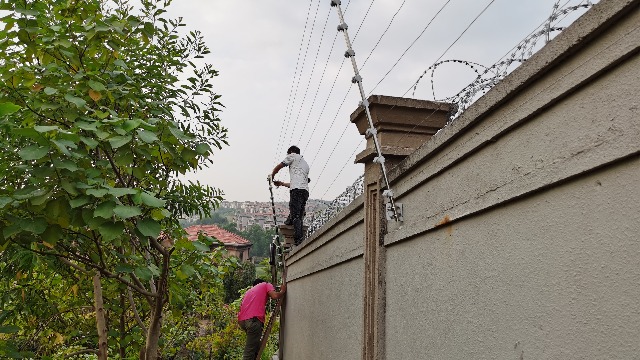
(101, 108)
(237, 279)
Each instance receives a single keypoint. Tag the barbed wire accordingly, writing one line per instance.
(490, 76)
(319, 218)
(525, 49)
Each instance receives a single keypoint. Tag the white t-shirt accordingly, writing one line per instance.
(298, 171)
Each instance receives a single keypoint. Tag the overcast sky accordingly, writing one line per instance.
(281, 85)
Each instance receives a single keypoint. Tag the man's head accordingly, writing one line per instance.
(293, 149)
(257, 281)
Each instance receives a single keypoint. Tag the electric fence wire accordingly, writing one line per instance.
(332, 85)
(411, 45)
(293, 82)
(381, 36)
(282, 130)
(344, 130)
(511, 53)
(419, 36)
(349, 159)
(551, 85)
(306, 91)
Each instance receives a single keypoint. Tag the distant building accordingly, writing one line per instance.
(235, 245)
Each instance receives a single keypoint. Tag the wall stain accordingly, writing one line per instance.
(444, 221)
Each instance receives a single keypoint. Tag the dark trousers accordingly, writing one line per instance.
(297, 203)
(253, 328)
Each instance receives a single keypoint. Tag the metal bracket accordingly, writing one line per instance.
(343, 27)
(335, 3)
(356, 79)
(389, 211)
(349, 53)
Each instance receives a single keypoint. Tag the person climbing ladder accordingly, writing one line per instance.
(298, 189)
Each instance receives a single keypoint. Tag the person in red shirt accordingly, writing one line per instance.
(251, 315)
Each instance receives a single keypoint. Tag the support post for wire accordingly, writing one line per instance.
(357, 79)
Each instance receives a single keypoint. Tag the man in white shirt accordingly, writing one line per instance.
(299, 188)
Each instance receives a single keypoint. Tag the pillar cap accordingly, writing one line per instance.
(402, 114)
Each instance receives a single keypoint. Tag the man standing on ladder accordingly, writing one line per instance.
(252, 314)
(299, 189)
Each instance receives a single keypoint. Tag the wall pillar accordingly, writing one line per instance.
(402, 126)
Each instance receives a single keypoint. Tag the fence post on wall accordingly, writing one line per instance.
(402, 126)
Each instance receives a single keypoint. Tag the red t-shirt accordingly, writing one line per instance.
(254, 302)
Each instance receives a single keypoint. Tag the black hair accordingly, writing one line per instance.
(257, 281)
(293, 149)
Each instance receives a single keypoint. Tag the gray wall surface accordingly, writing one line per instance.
(521, 229)
(325, 291)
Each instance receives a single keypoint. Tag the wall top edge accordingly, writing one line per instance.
(600, 17)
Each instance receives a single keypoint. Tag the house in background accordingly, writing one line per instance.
(234, 244)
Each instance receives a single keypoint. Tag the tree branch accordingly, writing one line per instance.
(135, 312)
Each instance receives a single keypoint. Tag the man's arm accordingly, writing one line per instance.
(276, 169)
(281, 183)
(278, 294)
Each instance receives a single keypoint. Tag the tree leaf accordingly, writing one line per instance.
(91, 143)
(124, 268)
(97, 86)
(118, 141)
(201, 246)
(149, 227)
(77, 202)
(97, 192)
(143, 273)
(36, 226)
(44, 129)
(50, 90)
(78, 102)
(52, 234)
(111, 230)
(126, 212)
(147, 136)
(151, 200)
(9, 329)
(105, 209)
(117, 192)
(131, 124)
(8, 108)
(33, 152)
(95, 95)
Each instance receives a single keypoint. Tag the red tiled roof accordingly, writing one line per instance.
(226, 237)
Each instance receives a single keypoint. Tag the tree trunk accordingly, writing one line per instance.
(100, 319)
(123, 324)
(155, 325)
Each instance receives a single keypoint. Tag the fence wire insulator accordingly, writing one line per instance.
(343, 27)
(350, 53)
(356, 79)
(388, 193)
(335, 3)
(370, 132)
(364, 103)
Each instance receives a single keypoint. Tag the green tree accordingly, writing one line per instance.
(260, 239)
(101, 107)
(238, 279)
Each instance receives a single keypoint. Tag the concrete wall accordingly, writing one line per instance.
(325, 291)
(521, 231)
